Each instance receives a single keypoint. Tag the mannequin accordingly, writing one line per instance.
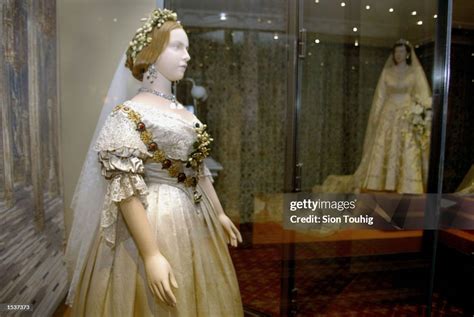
(171, 65)
(396, 147)
(161, 227)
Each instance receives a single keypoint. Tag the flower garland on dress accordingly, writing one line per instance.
(175, 167)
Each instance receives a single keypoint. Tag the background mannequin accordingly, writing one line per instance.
(396, 149)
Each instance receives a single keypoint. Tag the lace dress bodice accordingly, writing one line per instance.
(399, 85)
(123, 154)
(173, 134)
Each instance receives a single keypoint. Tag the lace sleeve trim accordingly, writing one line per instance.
(121, 187)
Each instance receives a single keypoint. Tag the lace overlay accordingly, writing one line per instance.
(119, 135)
(121, 154)
(173, 135)
(122, 186)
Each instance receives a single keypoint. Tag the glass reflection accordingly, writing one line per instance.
(364, 127)
(467, 184)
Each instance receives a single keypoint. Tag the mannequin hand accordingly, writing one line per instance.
(232, 233)
(159, 274)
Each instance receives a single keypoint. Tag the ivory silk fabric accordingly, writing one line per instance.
(190, 236)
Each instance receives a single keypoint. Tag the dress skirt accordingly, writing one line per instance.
(189, 236)
(397, 161)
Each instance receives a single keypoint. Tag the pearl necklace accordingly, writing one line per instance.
(175, 104)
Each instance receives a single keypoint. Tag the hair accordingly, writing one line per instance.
(408, 49)
(149, 54)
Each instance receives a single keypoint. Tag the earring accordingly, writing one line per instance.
(408, 56)
(152, 73)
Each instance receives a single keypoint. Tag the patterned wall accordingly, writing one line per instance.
(245, 74)
(31, 204)
(338, 85)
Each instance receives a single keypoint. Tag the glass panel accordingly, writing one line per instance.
(456, 240)
(239, 55)
(365, 128)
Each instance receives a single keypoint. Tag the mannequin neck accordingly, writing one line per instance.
(402, 64)
(161, 84)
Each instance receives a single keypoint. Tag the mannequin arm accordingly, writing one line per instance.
(159, 272)
(232, 233)
(208, 188)
(139, 226)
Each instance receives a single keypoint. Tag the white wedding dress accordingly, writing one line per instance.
(395, 155)
(189, 235)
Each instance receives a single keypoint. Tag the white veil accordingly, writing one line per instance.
(88, 198)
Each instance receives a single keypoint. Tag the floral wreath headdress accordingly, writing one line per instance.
(141, 38)
(403, 41)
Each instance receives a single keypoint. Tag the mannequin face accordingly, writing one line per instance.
(400, 54)
(173, 60)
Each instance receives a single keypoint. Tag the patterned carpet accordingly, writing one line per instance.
(388, 285)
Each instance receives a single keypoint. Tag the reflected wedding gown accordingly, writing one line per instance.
(395, 156)
(190, 236)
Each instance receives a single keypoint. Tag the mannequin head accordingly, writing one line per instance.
(174, 58)
(401, 52)
(167, 50)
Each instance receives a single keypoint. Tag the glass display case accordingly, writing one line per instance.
(334, 96)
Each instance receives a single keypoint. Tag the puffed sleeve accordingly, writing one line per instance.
(121, 154)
